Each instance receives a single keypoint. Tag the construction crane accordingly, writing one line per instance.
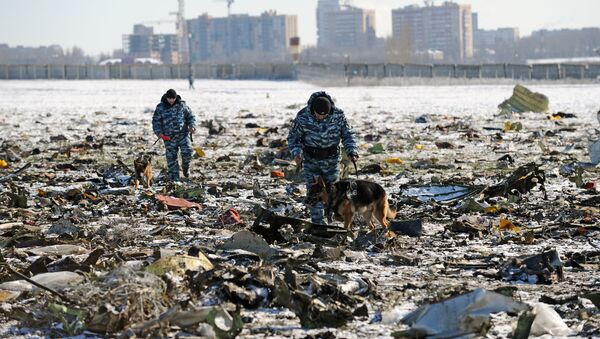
(182, 33)
(229, 3)
(181, 30)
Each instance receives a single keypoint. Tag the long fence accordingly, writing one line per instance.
(302, 71)
(148, 71)
(452, 71)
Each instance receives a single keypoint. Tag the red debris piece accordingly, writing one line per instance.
(176, 203)
(231, 217)
(277, 174)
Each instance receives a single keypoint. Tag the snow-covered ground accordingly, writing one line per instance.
(39, 109)
(23, 101)
(67, 107)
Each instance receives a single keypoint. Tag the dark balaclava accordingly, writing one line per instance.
(321, 105)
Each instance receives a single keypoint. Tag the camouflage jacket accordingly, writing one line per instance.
(171, 120)
(308, 131)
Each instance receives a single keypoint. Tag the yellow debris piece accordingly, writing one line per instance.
(200, 151)
(507, 225)
(178, 264)
(491, 210)
(397, 161)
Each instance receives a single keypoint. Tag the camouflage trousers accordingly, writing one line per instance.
(179, 142)
(329, 170)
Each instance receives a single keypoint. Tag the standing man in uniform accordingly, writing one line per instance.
(314, 140)
(174, 122)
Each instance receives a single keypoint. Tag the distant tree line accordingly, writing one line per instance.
(564, 43)
(53, 54)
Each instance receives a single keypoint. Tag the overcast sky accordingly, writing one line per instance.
(98, 25)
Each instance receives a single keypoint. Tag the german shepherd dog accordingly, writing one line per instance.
(345, 198)
(143, 171)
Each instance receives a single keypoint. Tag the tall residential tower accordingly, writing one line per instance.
(344, 26)
(324, 22)
(447, 28)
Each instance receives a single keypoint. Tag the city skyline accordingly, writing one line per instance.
(97, 27)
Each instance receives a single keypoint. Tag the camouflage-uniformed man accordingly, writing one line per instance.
(314, 140)
(173, 121)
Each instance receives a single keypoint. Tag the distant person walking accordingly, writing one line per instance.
(174, 122)
(191, 81)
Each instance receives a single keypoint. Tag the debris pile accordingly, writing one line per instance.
(497, 228)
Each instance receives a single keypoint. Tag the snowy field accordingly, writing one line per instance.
(68, 107)
(34, 111)
(24, 102)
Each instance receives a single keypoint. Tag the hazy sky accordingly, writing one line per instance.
(98, 25)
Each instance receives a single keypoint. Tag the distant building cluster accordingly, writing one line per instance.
(444, 32)
(450, 33)
(242, 37)
(266, 37)
(433, 33)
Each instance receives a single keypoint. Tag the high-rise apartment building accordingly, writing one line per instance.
(447, 28)
(324, 23)
(344, 26)
(268, 35)
(276, 32)
(353, 27)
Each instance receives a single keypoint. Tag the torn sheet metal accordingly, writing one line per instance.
(440, 193)
(461, 315)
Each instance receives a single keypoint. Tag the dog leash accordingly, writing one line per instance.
(353, 187)
(153, 145)
(355, 168)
